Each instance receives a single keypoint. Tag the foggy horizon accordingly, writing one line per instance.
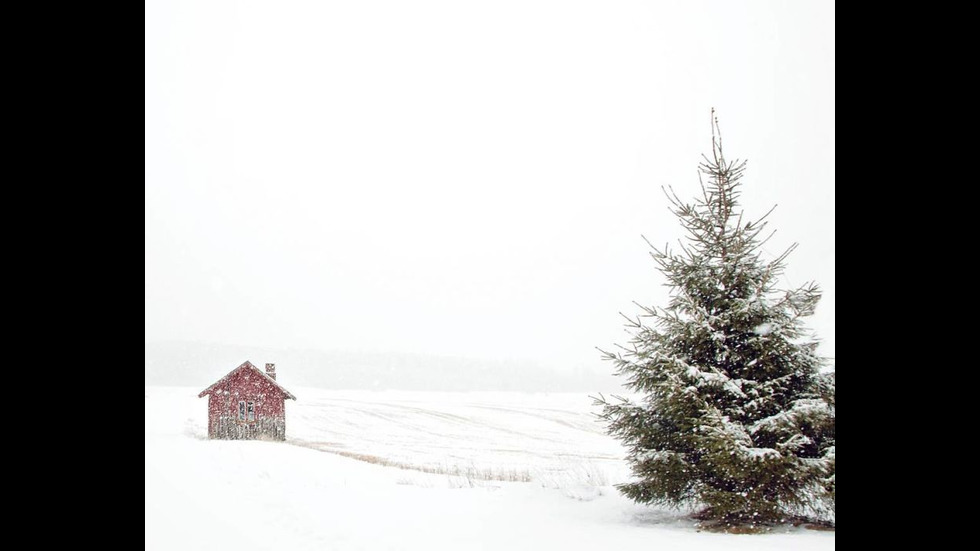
(466, 181)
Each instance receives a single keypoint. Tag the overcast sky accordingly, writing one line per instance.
(465, 178)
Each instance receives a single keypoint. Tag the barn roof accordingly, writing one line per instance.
(246, 365)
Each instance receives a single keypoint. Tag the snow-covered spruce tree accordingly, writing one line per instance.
(734, 417)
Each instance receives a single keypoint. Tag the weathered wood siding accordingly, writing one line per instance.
(263, 428)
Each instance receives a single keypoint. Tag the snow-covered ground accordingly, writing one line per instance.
(436, 471)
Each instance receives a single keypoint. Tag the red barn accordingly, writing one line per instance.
(247, 404)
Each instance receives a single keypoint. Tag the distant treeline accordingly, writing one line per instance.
(199, 364)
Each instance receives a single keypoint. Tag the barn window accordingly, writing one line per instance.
(246, 411)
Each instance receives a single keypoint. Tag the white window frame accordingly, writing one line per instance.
(246, 411)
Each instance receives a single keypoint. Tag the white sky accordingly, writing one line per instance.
(465, 178)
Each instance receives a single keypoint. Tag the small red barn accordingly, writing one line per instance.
(247, 404)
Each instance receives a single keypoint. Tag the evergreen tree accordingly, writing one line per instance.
(734, 416)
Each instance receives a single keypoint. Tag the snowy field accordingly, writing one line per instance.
(408, 470)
